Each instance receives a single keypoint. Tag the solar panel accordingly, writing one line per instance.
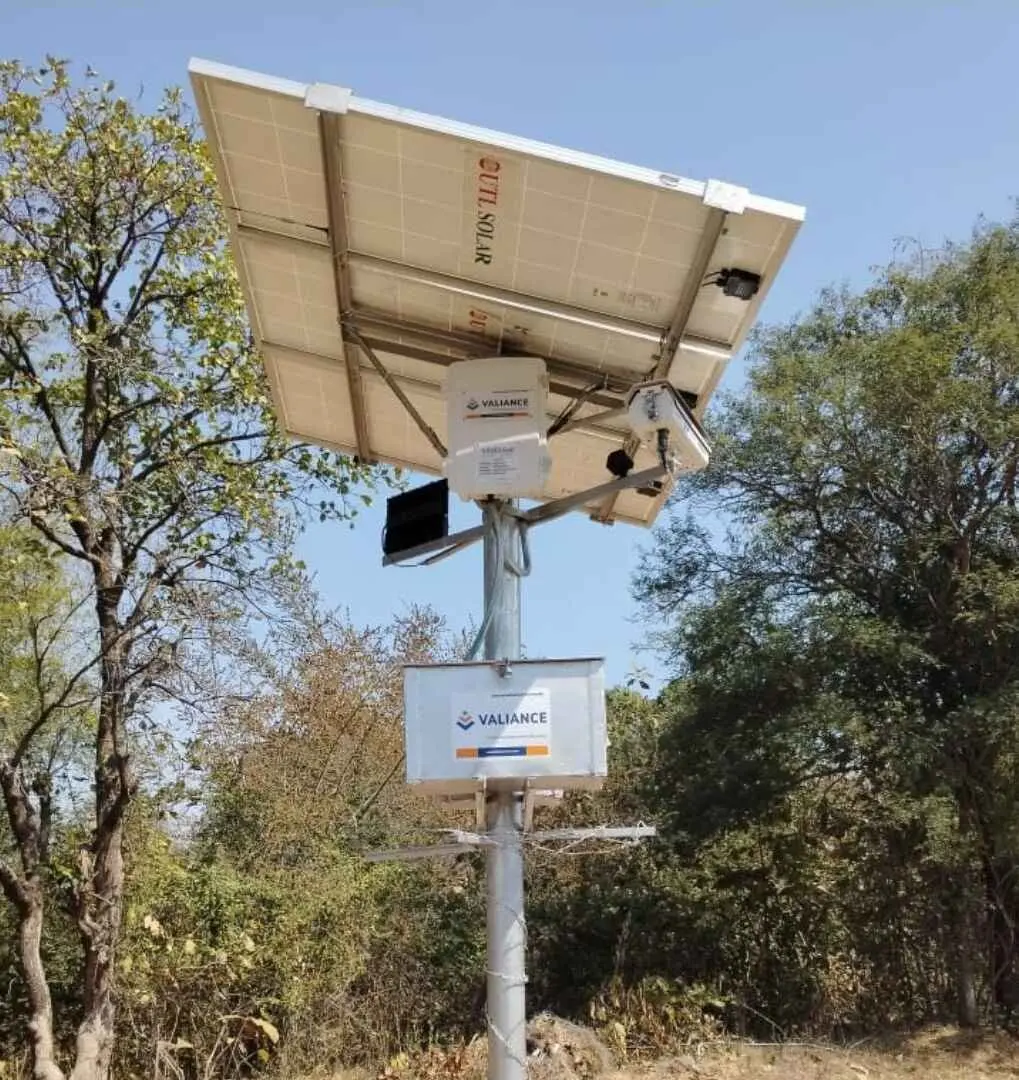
(377, 245)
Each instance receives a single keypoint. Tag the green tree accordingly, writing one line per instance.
(45, 714)
(137, 431)
(863, 617)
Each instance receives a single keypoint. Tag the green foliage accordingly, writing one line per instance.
(268, 912)
(46, 719)
(40, 613)
(206, 947)
(857, 631)
(656, 1016)
(832, 770)
(137, 437)
(124, 351)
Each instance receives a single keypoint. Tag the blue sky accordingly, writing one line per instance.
(888, 119)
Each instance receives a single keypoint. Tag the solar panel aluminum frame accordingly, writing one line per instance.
(413, 349)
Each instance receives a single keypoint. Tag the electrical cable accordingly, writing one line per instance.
(525, 547)
(567, 414)
(523, 568)
(502, 559)
(494, 601)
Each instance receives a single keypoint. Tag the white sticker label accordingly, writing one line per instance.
(498, 461)
(513, 724)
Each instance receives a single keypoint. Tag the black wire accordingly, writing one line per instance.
(564, 417)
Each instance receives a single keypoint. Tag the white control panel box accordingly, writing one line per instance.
(497, 420)
(486, 723)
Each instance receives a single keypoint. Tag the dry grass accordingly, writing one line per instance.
(563, 1051)
(942, 1054)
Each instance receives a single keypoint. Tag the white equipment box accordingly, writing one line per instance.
(496, 426)
(654, 407)
(471, 724)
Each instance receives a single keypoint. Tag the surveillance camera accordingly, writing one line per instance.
(655, 411)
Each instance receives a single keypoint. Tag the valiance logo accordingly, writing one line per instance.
(500, 724)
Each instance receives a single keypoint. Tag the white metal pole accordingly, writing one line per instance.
(506, 931)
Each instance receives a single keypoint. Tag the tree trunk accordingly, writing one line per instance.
(101, 900)
(101, 929)
(970, 939)
(968, 1012)
(27, 896)
(1000, 877)
(40, 1004)
(970, 953)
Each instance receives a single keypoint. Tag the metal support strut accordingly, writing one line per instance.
(504, 859)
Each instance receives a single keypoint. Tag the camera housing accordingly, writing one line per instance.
(655, 411)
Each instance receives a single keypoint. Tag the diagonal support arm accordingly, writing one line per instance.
(350, 333)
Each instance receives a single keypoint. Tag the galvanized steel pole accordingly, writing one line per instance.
(506, 931)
